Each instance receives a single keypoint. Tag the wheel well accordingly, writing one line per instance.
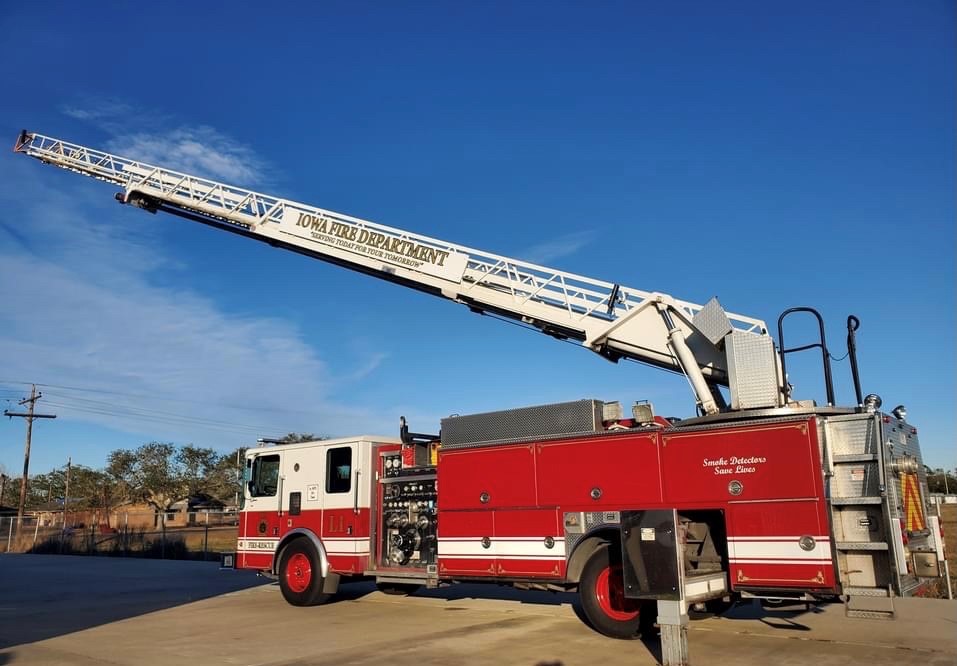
(584, 549)
(295, 535)
(708, 525)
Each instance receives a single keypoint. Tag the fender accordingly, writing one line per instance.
(584, 546)
(309, 534)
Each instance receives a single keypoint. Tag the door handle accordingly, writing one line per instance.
(355, 496)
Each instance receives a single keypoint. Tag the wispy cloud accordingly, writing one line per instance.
(201, 151)
(93, 109)
(82, 308)
(369, 365)
(150, 136)
(558, 247)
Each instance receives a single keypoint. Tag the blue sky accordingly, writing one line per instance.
(770, 156)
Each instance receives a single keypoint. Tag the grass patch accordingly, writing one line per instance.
(948, 519)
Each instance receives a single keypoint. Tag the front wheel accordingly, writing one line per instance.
(602, 593)
(300, 576)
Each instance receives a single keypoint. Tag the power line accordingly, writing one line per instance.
(178, 421)
(99, 406)
(113, 409)
(147, 396)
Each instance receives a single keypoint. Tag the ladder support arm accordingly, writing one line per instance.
(688, 362)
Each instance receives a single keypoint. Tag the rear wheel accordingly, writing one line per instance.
(602, 593)
(300, 576)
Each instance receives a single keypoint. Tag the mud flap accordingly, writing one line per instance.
(330, 584)
(651, 566)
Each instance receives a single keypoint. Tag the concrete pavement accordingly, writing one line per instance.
(75, 611)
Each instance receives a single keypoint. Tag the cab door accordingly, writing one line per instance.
(345, 506)
(262, 496)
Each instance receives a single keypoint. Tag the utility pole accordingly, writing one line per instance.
(239, 477)
(30, 415)
(66, 493)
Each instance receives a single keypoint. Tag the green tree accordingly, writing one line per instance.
(89, 488)
(225, 479)
(161, 474)
(941, 481)
(296, 437)
(195, 466)
(44, 488)
(7, 484)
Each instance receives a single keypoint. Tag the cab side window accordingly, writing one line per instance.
(264, 477)
(339, 470)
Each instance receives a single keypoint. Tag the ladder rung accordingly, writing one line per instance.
(854, 457)
(845, 501)
(861, 545)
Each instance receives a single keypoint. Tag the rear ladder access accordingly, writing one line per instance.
(860, 515)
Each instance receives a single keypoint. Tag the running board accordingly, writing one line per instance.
(706, 586)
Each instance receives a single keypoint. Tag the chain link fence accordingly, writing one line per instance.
(194, 535)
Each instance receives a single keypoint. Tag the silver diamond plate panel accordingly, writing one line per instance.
(571, 418)
(854, 435)
(592, 520)
(870, 615)
(857, 524)
(712, 321)
(864, 569)
(856, 480)
(900, 443)
(752, 370)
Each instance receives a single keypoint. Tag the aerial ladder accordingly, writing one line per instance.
(709, 346)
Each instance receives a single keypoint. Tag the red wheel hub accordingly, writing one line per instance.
(298, 572)
(610, 593)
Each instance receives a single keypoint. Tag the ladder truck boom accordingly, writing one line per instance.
(705, 343)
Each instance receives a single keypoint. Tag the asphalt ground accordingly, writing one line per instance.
(84, 611)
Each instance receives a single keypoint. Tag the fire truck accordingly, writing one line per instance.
(759, 495)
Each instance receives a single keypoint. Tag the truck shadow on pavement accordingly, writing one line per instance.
(776, 617)
(44, 596)
(485, 592)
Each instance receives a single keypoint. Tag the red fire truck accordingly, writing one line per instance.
(759, 495)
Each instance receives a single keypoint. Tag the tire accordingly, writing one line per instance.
(601, 591)
(300, 577)
(398, 589)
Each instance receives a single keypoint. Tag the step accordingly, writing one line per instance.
(861, 545)
(392, 576)
(867, 592)
(854, 457)
(869, 615)
(869, 607)
(851, 501)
